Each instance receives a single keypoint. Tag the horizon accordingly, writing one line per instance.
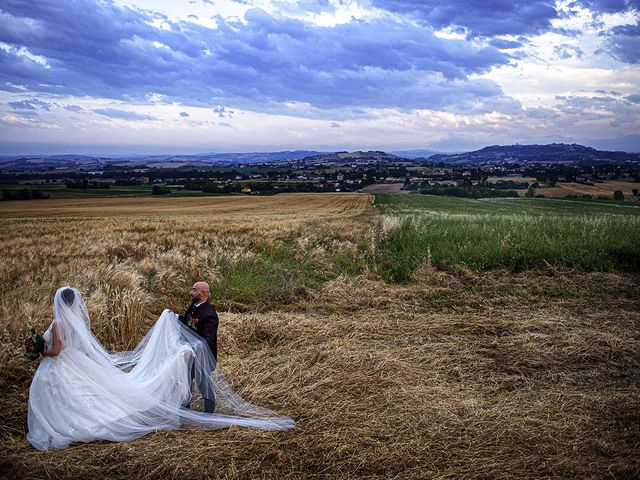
(151, 76)
(89, 153)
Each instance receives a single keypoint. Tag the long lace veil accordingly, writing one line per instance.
(154, 379)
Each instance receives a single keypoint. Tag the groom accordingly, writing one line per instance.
(202, 318)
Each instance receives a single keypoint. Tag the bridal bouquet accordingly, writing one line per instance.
(34, 345)
(193, 323)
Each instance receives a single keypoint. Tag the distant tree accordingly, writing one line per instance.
(158, 190)
(23, 194)
(85, 184)
(635, 192)
(126, 182)
(618, 195)
(531, 193)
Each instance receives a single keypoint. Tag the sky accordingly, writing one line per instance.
(174, 76)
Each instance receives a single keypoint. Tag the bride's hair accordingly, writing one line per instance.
(68, 296)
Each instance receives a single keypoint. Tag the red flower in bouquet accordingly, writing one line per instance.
(34, 345)
(193, 323)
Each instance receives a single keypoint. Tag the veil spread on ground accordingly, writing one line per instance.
(86, 394)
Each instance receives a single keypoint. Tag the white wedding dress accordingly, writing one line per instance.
(86, 394)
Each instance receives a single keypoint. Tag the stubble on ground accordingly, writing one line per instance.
(458, 374)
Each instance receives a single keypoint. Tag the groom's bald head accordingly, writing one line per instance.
(199, 292)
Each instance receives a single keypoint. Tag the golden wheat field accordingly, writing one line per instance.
(458, 374)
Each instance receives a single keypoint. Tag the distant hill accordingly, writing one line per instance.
(43, 162)
(414, 153)
(358, 157)
(551, 153)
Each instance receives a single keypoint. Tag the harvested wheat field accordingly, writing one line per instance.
(455, 374)
(604, 189)
(384, 188)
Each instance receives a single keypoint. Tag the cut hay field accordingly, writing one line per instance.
(604, 189)
(384, 188)
(456, 373)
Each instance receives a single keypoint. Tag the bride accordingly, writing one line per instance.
(82, 393)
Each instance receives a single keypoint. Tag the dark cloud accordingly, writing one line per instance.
(484, 18)
(223, 112)
(566, 51)
(23, 105)
(184, 114)
(635, 98)
(609, 6)
(73, 108)
(33, 104)
(122, 114)
(101, 50)
(623, 43)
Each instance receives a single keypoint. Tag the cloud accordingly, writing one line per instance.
(615, 110)
(184, 114)
(635, 98)
(223, 112)
(566, 51)
(504, 44)
(623, 43)
(25, 114)
(73, 108)
(123, 114)
(480, 18)
(260, 64)
(609, 6)
(23, 105)
(33, 104)
(541, 113)
(335, 125)
(305, 6)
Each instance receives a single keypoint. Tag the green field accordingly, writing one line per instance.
(505, 233)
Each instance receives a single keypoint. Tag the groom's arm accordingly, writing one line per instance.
(210, 331)
(183, 318)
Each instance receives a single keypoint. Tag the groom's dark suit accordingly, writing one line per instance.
(206, 322)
